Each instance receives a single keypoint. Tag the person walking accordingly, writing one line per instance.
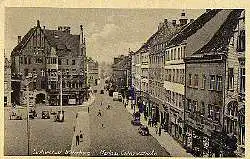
(159, 130)
(108, 106)
(88, 109)
(156, 128)
(81, 136)
(149, 120)
(99, 113)
(77, 139)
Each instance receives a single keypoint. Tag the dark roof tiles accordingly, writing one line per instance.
(221, 38)
(58, 39)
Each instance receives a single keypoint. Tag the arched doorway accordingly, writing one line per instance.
(40, 98)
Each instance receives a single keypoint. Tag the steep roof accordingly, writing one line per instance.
(57, 39)
(221, 38)
(191, 28)
(23, 42)
(62, 40)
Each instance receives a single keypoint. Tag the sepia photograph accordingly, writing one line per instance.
(124, 82)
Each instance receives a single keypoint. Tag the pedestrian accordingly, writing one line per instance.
(102, 125)
(149, 121)
(88, 109)
(74, 128)
(159, 130)
(77, 139)
(81, 136)
(108, 106)
(156, 129)
(99, 113)
(76, 115)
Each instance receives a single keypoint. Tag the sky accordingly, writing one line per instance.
(109, 32)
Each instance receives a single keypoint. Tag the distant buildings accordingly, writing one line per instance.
(46, 56)
(190, 78)
(121, 74)
(92, 72)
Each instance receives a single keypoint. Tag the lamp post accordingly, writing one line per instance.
(28, 124)
(61, 92)
(61, 115)
(29, 79)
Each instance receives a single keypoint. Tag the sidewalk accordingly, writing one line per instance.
(165, 140)
(82, 124)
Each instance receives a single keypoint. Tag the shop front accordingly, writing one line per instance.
(197, 142)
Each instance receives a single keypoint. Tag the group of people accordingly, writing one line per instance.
(99, 114)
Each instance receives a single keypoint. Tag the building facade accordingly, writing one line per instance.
(121, 75)
(92, 72)
(214, 74)
(48, 56)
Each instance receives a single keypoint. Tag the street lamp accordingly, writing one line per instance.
(61, 115)
(29, 79)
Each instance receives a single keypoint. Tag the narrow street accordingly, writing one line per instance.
(118, 136)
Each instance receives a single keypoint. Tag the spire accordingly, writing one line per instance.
(82, 34)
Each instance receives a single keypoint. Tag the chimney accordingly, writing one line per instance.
(166, 21)
(38, 23)
(82, 35)
(174, 22)
(191, 20)
(19, 38)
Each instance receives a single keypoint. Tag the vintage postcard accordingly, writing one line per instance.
(124, 82)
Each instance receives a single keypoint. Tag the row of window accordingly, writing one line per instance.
(175, 75)
(49, 60)
(68, 84)
(155, 59)
(51, 72)
(175, 53)
(215, 81)
(213, 111)
(174, 98)
(156, 89)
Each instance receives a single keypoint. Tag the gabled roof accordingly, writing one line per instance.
(221, 38)
(191, 28)
(23, 42)
(60, 40)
